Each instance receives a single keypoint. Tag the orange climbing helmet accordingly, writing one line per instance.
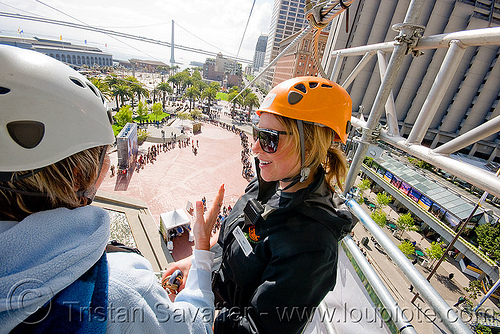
(312, 99)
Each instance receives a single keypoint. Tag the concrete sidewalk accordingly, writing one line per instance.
(178, 176)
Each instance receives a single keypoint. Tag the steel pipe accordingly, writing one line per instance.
(437, 92)
(450, 319)
(390, 106)
(366, 58)
(397, 315)
(400, 50)
(473, 136)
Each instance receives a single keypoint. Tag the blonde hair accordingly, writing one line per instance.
(319, 150)
(59, 183)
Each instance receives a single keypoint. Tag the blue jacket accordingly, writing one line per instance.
(48, 251)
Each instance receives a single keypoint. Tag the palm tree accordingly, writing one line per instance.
(102, 86)
(251, 100)
(121, 91)
(165, 88)
(210, 93)
(192, 93)
(140, 90)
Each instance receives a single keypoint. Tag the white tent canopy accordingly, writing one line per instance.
(173, 220)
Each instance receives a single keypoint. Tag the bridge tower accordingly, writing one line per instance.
(172, 59)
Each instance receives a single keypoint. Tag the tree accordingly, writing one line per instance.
(379, 217)
(407, 248)
(474, 289)
(383, 199)
(435, 251)
(102, 86)
(142, 111)
(120, 92)
(368, 161)
(364, 184)
(157, 110)
(420, 163)
(165, 88)
(123, 116)
(251, 100)
(406, 222)
(139, 90)
(488, 238)
(192, 93)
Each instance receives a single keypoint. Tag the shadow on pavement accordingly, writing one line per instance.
(123, 179)
(449, 284)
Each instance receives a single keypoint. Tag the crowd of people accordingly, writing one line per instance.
(155, 149)
(247, 170)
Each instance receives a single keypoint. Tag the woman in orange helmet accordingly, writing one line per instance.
(283, 233)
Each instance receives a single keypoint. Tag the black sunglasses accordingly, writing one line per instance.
(268, 138)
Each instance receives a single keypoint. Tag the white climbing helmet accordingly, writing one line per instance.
(48, 111)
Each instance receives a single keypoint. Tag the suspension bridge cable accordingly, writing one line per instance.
(74, 18)
(218, 48)
(112, 32)
(244, 31)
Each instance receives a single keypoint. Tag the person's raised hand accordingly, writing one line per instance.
(203, 227)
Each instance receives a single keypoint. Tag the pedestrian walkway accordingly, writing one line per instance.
(178, 176)
(399, 285)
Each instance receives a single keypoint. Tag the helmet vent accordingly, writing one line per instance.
(93, 89)
(313, 84)
(77, 82)
(27, 134)
(326, 86)
(4, 90)
(294, 97)
(301, 87)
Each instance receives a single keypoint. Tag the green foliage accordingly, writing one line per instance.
(184, 115)
(474, 289)
(383, 199)
(222, 96)
(142, 111)
(157, 110)
(488, 238)
(406, 222)
(481, 329)
(368, 161)
(251, 100)
(364, 184)
(420, 163)
(407, 248)
(124, 116)
(195, 113)
(141, 136)
(379, 217)
(435, 251)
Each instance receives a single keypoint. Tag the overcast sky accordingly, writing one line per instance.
(220, 23)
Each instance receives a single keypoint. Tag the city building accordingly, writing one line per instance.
(224, 70)
(73, 55)
(471, 98)
(287, 18)
(260, 53)
(299, 60)
(146, 65)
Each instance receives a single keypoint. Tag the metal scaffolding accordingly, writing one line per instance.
(409, 42)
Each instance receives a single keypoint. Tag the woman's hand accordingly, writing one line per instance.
(202, 228)
(183, 265)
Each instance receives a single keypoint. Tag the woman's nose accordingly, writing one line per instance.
(256, 147)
